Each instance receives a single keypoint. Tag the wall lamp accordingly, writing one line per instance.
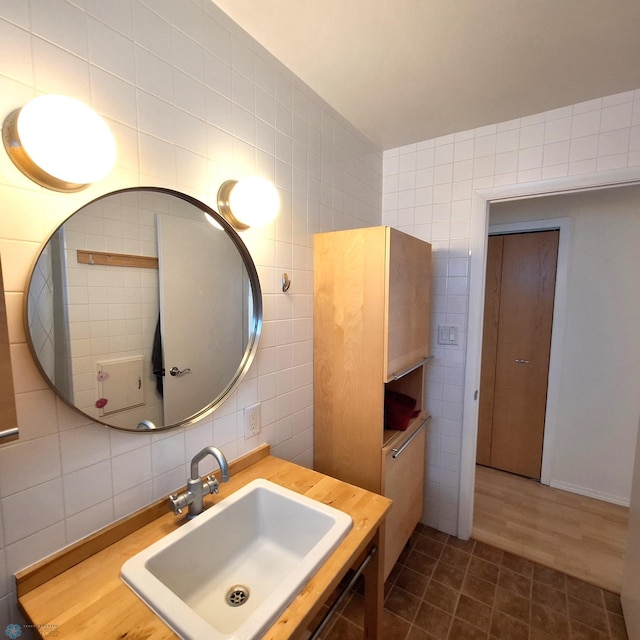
(59, 143)
(248, 202)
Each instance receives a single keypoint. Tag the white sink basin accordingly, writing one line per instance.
(263, 540)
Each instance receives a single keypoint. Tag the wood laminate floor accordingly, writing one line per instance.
(579, 536)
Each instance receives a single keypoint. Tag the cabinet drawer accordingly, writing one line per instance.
(403, 482)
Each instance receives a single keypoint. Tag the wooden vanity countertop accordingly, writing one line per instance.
(78, 594)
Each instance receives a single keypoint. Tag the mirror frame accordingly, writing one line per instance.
(256, 294)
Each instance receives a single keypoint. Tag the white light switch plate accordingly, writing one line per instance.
(447, 334)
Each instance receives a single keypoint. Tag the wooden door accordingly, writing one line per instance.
(519, 298)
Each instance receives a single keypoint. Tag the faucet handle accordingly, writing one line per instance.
(177, 503)
(210, 485)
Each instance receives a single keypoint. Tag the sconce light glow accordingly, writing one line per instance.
(249, 202)
(213, 222)
(59, 142)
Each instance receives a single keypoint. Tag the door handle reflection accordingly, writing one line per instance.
(174, 371)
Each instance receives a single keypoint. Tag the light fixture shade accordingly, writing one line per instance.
(59, 142)
(248, 202)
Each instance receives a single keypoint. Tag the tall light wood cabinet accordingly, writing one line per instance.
(371, 335)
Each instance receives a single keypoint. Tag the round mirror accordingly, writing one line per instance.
(144, 309)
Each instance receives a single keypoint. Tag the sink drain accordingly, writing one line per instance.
(237, 595)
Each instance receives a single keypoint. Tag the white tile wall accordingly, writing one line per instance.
(192, 101)
(427, 191)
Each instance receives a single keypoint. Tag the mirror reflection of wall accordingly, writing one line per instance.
(48, 314)
(113, 309)
(131, 286)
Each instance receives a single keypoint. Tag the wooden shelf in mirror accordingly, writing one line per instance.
(116, 259)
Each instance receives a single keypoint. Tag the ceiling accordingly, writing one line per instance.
(402, 71)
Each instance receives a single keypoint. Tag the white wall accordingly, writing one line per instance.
(192, 101)
(596, 413)
(428, 191)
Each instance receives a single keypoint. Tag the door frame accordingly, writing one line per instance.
(558, 325)
(481, 202)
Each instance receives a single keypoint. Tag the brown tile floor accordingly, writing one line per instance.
(448, 589)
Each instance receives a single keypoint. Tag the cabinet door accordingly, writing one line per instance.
(404, 484)
(408, 301)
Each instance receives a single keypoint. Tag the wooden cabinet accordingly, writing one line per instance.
(371, 336)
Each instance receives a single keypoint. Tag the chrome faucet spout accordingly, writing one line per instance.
(197, 488)
(218, 455)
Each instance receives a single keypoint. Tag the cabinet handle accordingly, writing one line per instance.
(401, 374)
(397, 452)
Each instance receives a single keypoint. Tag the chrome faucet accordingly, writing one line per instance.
(197, 488)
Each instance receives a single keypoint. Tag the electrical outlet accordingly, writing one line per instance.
(251, 420)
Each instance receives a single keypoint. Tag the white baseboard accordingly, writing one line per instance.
(589, 493)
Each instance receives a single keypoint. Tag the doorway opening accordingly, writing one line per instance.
(479, 233)
(597, 340)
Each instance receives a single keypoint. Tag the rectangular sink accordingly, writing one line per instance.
(231, 571)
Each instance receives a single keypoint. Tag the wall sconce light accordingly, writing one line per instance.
(248, 202)
(59, 143)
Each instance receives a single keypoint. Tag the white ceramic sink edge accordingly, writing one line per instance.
(265, 536)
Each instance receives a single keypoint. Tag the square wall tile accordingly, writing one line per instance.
(90, 520)
(58, 22)
(83, 447)
(87, 487)
(133, 499)
(24, 465)
(131, 469)
(168, 453)
(35, 547)
(32, 510)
